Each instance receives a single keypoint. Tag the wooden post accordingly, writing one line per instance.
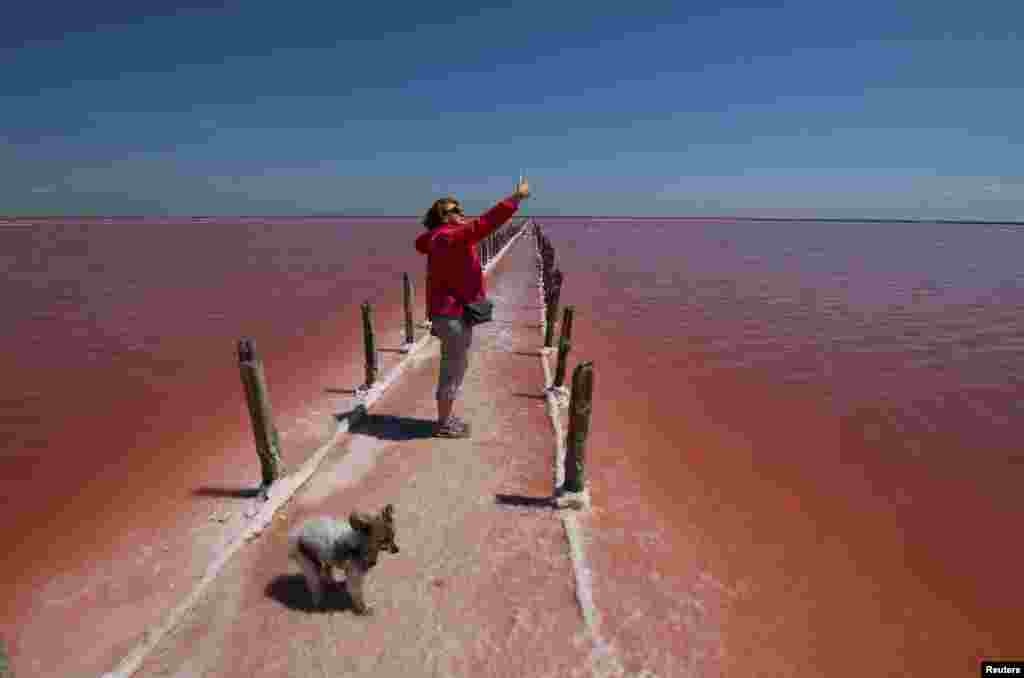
(564, 344)
(407, 297)
(5, 662)
(552, 307)
(547, 255)
(580, 405)
(369, 345)
(426, 293)
(268, 445)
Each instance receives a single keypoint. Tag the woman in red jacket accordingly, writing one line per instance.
(454, 279)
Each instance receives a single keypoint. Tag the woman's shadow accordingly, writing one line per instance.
(390, 427)
(290, 590)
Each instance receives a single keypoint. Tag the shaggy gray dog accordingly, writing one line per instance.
(319, 545)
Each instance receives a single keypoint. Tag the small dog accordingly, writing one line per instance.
(321, 544)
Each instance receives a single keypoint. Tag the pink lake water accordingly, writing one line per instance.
(831, 412)
(829, 415)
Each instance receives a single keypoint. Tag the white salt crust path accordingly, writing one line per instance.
(261, 513)
(604, 660)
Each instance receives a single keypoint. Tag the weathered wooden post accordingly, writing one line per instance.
(268, 445)
(425, 323)
(5, 662)
(407, 298)
(369, 345)
(564, 344)
(580, 405)
(552, 311)
(547, 255)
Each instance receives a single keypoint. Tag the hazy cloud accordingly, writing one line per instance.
(872, 195)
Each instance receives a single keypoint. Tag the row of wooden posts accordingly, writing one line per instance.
(581, 394)
(268, 445)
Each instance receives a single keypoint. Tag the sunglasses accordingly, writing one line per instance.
(454, 209)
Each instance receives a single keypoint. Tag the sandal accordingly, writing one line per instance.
(453, 428)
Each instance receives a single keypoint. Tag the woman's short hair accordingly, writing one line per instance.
(435, 216)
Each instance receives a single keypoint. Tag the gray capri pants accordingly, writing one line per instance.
(455, 336)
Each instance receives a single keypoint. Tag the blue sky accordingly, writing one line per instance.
(869, 109)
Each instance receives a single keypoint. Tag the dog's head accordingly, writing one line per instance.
(379, 531)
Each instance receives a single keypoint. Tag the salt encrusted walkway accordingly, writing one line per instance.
(486, 584)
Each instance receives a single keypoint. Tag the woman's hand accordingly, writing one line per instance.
(522, 189)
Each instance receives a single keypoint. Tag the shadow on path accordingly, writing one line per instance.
(523, 500)
(389, 427)
(534, 396)
(225, 492)
(290, 590)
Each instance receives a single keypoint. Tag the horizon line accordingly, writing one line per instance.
(893, 220)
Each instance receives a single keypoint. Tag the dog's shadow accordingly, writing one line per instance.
(290, 590)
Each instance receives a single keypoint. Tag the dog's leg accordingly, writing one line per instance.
(312, 573)
(354, 583)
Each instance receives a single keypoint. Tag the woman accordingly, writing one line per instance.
(455, 278)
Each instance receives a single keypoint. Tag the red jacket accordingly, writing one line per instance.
(454, 274)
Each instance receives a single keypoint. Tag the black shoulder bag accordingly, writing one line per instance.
(478, 312)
